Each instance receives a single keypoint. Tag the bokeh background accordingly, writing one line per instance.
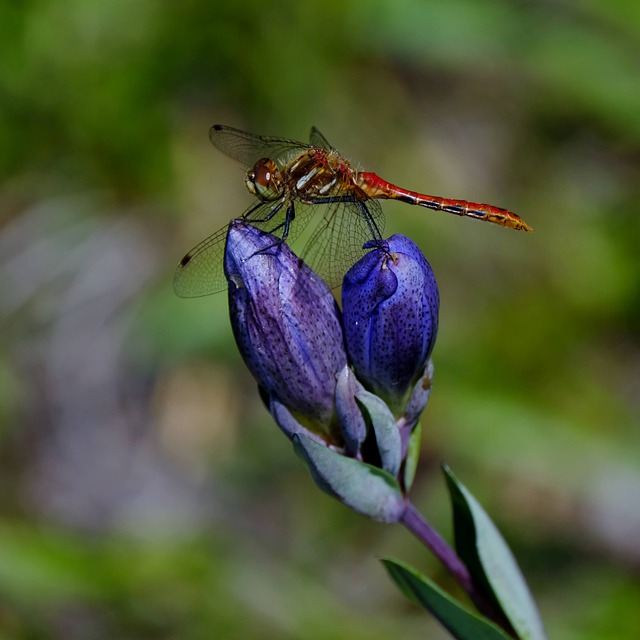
(144, 491)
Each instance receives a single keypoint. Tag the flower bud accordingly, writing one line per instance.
(390, 305)
(287, 326)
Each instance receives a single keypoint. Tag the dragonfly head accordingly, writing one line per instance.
(264, 180)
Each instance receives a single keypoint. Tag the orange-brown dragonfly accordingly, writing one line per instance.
(290, 180)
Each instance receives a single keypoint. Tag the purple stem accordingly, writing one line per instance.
(415, 522)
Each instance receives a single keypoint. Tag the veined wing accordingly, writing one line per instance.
(248, 148)
(318, 140)
(336, 243)
(201, 271)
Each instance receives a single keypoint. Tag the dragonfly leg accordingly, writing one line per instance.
(269, 215)
(371, 223)
(288, 219)
(376, 236)
(285, 226)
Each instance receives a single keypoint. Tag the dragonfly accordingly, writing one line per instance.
(291, 181)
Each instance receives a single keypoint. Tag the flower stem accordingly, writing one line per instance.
(415, 522)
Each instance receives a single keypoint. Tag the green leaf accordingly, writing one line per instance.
(368, 490)
(491, 563)
(386, 430)
(459, 621)
(413, 455)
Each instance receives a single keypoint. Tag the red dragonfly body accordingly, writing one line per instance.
(376, 187)
(290, 180)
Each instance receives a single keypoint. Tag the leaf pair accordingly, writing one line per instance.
(493, 569)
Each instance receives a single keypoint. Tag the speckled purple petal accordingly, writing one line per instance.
(390, 304)
(286, 323)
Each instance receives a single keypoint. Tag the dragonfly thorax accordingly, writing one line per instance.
(319, 174)
(264, 180)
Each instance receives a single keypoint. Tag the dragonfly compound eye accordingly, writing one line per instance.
(265, 180)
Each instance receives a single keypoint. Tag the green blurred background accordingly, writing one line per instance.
(145, 493)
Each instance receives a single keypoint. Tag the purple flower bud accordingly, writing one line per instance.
(287, 326)
(390, 304)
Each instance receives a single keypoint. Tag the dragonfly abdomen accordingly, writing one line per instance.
(376, 187)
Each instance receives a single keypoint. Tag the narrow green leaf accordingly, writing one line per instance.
(491, 563)
(386, 430)
(366, 489)
(413, 454)
(452, 615)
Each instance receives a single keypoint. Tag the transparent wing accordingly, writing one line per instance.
(201, 271)
(336, 244)
(318, 140)
(248, 148)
